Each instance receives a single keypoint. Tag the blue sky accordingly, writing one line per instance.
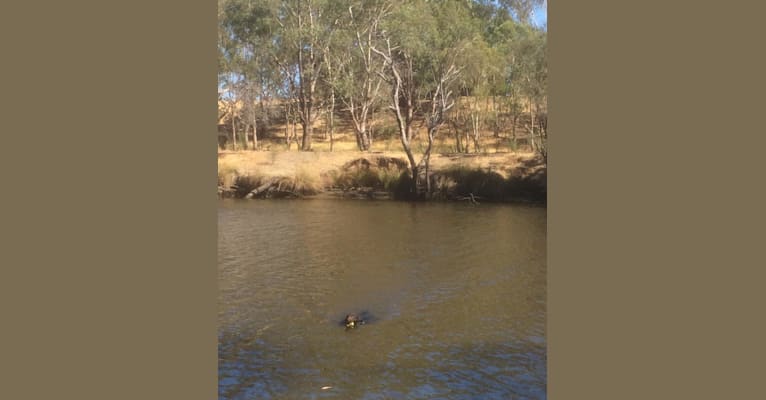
(540, 15)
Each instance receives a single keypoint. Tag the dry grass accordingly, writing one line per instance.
(312, 171)
(499, 163)
(312, 165)
(304, 181)
(385, 136)
(444, 143)
(493, 177)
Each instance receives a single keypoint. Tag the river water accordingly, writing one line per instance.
(455, 294)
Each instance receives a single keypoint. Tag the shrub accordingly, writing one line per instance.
(305, 183)
(226, 175)
(381, 173)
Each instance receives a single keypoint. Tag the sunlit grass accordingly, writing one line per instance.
(491, 176)
(305, 182)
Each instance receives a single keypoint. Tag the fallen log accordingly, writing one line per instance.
(263, 187)
(274, 188)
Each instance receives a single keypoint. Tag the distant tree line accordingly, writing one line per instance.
(456, 65)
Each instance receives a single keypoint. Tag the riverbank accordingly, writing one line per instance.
(492, 177)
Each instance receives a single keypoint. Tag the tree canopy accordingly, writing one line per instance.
(336, 57)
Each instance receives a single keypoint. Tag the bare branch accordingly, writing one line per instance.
(382, 54)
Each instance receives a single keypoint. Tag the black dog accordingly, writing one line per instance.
(352, 321)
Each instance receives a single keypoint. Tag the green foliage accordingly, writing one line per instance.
(492, 43)
(521, 8)
(472, 33)
(389, 178)
(387, 132)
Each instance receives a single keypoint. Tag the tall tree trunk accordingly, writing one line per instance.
(455, 123)
(364, 136)
(465, 142)
(427, 160)
(372, 123)
(513, 131)
(255, 128)
(405, 135)
(287, 134)
(332, 122)
(287, 125)
(255, 136)
(533, 142)
(475, 128)
(361, 103)
(233, 129)
(294, 134)
(458, 144)
(359, 142)
(308, 130)
(307, 119)
(496, 126)
(246, 135)
(332, 118)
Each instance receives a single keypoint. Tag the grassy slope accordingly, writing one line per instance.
(273, 159)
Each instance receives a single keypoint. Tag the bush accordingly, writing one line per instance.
(381, 173)
(484, 184)
(305, 183)
(489, 186)
(226, 176)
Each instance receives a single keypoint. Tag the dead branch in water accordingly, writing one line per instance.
(470, 197)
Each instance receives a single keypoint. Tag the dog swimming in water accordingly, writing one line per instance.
(352, 321)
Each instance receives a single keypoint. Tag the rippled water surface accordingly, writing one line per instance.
(457, 294)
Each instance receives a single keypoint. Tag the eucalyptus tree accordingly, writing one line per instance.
(361, 69)
(522, 74)
(306, 27)
(534, 86)
(291, 37)
(481, 71)
(227, 53)
(422, 51)
(334, 48)
(310, 54)
(331, 83)
(244, 29)
(257, 89)
(527, 78)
